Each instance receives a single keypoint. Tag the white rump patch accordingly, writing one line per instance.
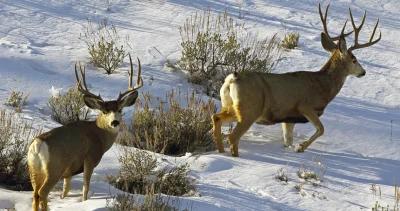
(224, 92)
(38, 154)
(230, 78)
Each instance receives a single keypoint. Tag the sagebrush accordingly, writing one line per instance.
(68, 107)
(151, 202)
(173, 125)
(281, 175)
(291, 40)
(107, 49)
(15, 137)
(17, 99)
(139, 175)
(214, 46)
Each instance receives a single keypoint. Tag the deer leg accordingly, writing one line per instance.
(238, 132)
(218, 119)
(66, 187)
(287, 129)
(35, 201)
(36, 180)
(87, 174)
(44, 191)
(314, 119)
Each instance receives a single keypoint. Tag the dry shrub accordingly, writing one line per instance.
(139, 174)
(15, 137)
(314, 171)
(151, 202)
(17, 99)
(214, 46)
(307, 174)
(291, 40)
(68, 107)
(107, 49)
(179, 123)
(281, 175)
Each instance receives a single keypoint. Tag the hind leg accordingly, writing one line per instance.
(238, 132)
(35, 200)
(44, 191)
(245, 118)
(36, 181)
(217, 119)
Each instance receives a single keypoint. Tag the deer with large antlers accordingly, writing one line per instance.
(79, 146)
(289, 98)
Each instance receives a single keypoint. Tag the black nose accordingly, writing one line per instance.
(362, 74)
(115, 123)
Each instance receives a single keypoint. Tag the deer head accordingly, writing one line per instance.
(339, 50)
(111, 111)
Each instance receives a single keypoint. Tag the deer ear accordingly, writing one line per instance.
(128, 100)
(92, 102)
(342, 45)
(327, 43)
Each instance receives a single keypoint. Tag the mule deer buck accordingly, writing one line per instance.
(79, 146)
(289, 98)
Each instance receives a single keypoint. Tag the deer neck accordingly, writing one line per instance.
(336, 71)
(108, 134)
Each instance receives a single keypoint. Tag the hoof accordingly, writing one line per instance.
(234, 153)
(288, 145)
(300, 149)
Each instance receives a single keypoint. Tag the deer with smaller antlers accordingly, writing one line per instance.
(289, 98)
(79, 146)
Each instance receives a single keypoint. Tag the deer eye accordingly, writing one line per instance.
(354, 60)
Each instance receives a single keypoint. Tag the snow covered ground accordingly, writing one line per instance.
(39, 44)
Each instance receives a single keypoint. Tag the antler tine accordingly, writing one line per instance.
(130, 72)
(139, 82)
(373, 32)
(82, 86)
(344, 26)
(83, 73)
(357, 31)
(324, 24)
(78, 79)
(323, 18)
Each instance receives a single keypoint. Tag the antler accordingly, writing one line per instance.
(139, 82)
(324, 24)
(357, 31)
(81, 81)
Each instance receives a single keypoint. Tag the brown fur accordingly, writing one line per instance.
(289, 98)
(79, 146)
(296, 97)
(74, 148)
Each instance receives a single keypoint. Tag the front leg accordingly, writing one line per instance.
(312, 117)
(287, 129)
(87, 174)
(66, 187)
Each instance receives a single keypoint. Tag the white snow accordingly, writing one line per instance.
(39, 44)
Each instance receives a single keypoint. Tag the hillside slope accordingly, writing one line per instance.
(39, 44)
